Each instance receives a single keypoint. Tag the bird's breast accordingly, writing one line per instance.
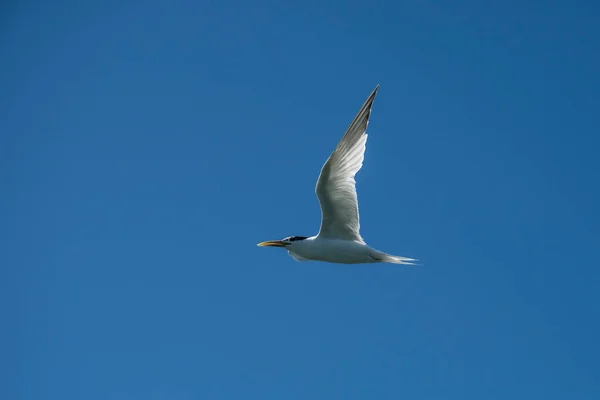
(333, 250)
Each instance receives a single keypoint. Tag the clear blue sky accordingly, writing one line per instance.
(146, 147)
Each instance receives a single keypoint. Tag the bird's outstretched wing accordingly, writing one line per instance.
(336, 187)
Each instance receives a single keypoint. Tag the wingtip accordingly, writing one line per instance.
(371, 97)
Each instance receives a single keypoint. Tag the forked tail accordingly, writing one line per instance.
(388, 258)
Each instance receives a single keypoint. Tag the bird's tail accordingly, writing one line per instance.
(388, 258)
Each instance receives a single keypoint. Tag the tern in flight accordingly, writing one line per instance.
(339, 240)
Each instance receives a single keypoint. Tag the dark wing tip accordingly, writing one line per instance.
(371, 98)
(359, 124)
(369, 102)
(375, 90)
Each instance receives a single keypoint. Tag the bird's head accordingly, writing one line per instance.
(283, 242)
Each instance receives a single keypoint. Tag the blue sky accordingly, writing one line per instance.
(146, 147)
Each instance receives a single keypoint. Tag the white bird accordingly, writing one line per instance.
(339, 240)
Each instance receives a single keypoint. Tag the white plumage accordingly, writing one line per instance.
(339, 240)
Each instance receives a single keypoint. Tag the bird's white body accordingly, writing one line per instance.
(339, 239)
(333, 250)
(340, 251)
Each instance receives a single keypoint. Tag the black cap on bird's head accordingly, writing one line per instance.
(283, 242)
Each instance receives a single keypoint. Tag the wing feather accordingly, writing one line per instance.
(336, 187)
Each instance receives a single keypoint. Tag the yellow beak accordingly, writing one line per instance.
(272, 243)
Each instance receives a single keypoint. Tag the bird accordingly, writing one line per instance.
(339, 240)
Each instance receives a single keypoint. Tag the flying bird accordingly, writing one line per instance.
(339, 239)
